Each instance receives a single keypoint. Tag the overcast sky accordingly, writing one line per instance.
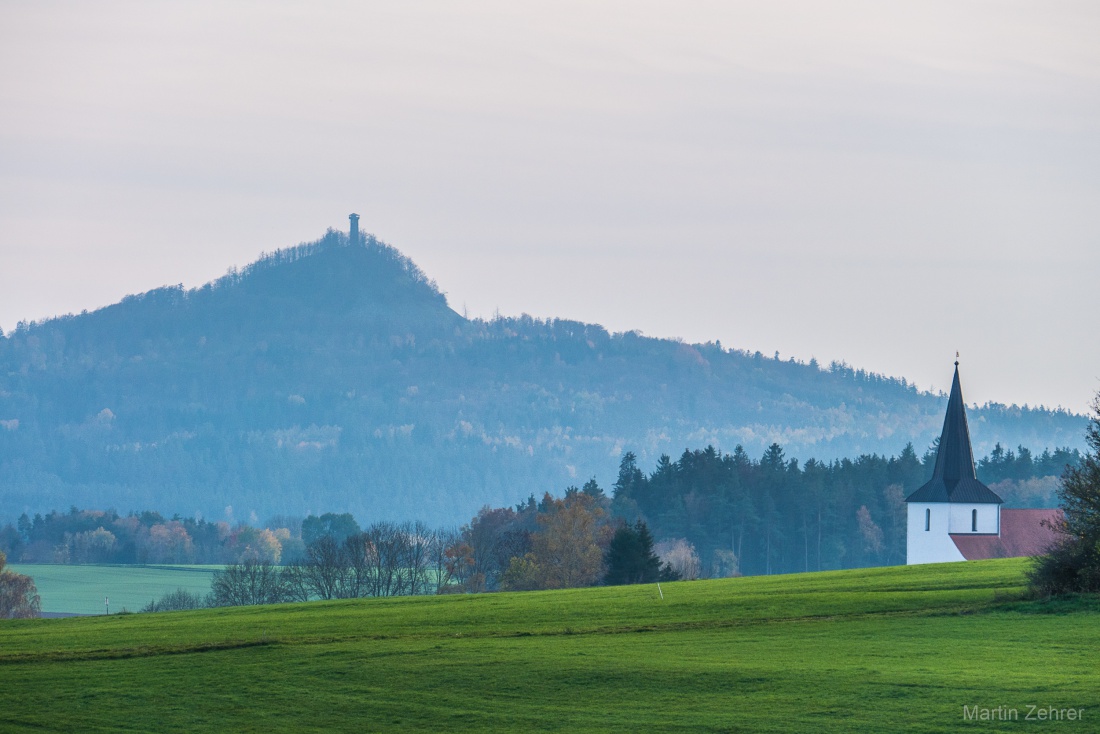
(881, 183)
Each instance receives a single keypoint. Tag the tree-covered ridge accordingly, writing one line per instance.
(331, 377)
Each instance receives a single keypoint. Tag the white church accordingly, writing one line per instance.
(954, 517)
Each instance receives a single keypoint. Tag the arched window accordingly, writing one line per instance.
(973, 521)
(928, 519)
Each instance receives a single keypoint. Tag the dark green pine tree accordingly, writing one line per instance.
(630, 557)
(592, 489)
(1073, 564)
(1080, 493)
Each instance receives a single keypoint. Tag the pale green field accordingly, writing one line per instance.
(81, 589)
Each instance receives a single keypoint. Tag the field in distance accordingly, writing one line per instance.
(883, 649)
(81, 589)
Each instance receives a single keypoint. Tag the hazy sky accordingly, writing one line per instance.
(883, 183)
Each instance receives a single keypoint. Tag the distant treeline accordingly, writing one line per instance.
(712, 514)
(716, 514)
(773, 515)
(104, 536)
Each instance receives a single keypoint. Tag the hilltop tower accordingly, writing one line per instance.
(353, 230)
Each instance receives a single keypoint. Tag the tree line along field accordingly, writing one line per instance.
(883, 649)
(725, 514)
(81, 589)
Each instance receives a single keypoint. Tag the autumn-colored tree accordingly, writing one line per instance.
(458, 558)
(485, 548)
(568, 548)
(256, 544)
(18, 595)
(523, 574)
(169, 543)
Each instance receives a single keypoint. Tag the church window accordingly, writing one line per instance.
(927, 519)
(973, 521)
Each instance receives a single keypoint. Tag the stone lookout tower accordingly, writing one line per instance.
(353, 230)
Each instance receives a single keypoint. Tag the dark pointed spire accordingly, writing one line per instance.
(954, 478)
(955, 458)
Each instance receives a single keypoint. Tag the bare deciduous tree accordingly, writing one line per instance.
(326, 568)
(246, 583)
(439, 565)
(680, 556)
(419, 557)
(390, 545)
(175, 601)
(296, 582)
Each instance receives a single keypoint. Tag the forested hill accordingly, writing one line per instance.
(334, 377)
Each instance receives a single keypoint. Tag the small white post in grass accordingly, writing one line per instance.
(107, 604)
(659, 591)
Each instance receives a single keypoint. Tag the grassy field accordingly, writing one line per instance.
(896, 649)
(81, 589)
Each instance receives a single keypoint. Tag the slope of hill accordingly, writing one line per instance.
(888, 649)
(331, 377)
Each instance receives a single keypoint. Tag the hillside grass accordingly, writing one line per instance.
(81, 589)
(901, 648)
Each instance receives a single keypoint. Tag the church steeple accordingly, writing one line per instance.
(954, 478)
(955, 458)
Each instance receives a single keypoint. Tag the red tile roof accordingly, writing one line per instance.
(1023, 533)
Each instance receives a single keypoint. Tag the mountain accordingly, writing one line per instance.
(333, 376)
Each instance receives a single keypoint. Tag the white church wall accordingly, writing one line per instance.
(933, 545)
(961, 518)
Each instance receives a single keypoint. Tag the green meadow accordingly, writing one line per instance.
(887, 649)
(81, 589)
